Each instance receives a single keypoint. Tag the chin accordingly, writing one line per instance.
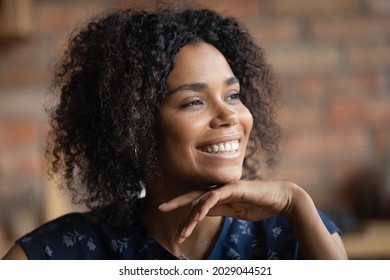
(227, 178)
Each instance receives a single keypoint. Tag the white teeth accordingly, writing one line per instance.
(222, 147)
(228, 147)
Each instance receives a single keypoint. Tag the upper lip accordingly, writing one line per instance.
(221, 139)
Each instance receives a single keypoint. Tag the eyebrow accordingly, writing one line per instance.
(201, 86)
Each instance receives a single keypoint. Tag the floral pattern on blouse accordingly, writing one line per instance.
(74, 236)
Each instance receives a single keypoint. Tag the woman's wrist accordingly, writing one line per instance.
(299, 207)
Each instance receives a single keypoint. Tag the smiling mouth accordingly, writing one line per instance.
(223, 147)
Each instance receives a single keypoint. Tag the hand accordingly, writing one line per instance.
(246, 200)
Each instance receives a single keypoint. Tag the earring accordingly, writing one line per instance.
(136, 154)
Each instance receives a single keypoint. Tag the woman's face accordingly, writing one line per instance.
(204, 127)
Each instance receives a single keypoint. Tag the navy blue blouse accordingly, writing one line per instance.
(74, 236)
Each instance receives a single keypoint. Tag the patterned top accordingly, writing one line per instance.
(75, 236)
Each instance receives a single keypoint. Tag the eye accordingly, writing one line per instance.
(193, 103)
(233, 97)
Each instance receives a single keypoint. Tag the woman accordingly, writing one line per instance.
(161, 120)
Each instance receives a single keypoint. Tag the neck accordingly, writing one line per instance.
(163, 227)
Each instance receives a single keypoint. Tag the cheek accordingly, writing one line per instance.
(177, 132)
(247, 120)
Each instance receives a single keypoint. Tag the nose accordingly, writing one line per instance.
(223, 117)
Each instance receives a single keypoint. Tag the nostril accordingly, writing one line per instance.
(225, 118)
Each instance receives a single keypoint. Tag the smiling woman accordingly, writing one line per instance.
(204, 127)
(160, 122)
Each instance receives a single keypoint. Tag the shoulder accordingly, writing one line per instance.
(83, 236)
(55, 238)
(21, 249)
(266, 239)
(279, 222)
(329, 224)
(73, 222)
(272, 238)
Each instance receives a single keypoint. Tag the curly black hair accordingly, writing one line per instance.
(110, 84)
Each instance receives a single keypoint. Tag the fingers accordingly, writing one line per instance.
(201, 204)
(222, 210)
(228, 200)
(185, 199)
(180, 201)
(252, 201)
(197, 213)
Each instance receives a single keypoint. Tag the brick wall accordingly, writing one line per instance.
(333, 62)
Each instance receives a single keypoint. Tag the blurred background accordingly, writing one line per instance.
(332, 59)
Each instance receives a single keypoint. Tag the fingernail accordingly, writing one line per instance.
(162, 205)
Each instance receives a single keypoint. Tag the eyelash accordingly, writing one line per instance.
(198, 102)
(234, 96)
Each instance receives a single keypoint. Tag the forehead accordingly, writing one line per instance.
(198, 63)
